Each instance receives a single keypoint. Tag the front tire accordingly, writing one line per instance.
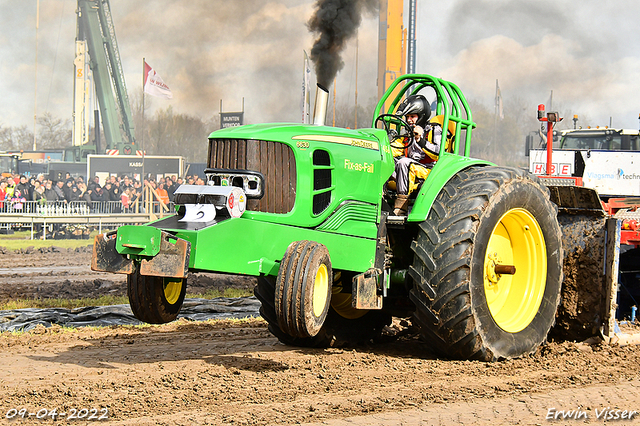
(344, 326)
(303, 289)
(155, 300)
(482, 218)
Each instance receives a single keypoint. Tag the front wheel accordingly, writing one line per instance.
(488, 266)
(303, 289)
(343, 326)
(155, 300)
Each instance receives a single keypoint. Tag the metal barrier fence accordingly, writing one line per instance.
(36, 215)
(71, 208)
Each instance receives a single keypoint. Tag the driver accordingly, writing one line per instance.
(410, 150)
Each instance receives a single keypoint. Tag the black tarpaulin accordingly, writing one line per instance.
(192, 309)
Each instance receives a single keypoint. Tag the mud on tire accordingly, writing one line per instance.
(337, 330)
(303, 289)
(155, 300)
(462, 307)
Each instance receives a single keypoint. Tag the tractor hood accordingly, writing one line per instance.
(293, 131)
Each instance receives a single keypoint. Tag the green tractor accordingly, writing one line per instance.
(476, 263)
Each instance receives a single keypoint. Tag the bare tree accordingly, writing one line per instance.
(177, 134)
(15, 138)
(53, 132)
(502, 140)
(346, 117)
(5, 138)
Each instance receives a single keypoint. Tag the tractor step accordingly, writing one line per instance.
(396, 221)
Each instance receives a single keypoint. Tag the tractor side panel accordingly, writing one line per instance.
(245, 246)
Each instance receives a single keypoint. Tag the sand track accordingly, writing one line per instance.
(237, 373)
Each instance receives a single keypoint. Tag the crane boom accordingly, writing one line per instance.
(391, 45)
(95, 26)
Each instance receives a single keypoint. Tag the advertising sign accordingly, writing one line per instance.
(231, 119)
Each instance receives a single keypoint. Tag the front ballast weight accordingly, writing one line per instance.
(156, 264)
(161, 253)
(158, 253)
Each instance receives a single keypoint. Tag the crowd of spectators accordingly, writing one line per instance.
(120, 191)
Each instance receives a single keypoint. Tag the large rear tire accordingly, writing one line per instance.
(469, 307)
(155, 300)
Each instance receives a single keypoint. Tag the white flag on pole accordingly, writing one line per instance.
(499, 106)
(306, 71)
(154, 85)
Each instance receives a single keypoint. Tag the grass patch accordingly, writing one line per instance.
(108, 300)
(22, 240)
(227, 292)
(63, 303)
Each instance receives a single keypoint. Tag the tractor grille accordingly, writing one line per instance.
(274, 160)
(322, 185)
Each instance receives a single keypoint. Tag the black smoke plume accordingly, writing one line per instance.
(335, 22)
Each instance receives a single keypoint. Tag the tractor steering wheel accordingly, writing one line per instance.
(387, 120)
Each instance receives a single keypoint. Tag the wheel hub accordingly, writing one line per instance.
(490, 269)
(172, 289)
(516, 243)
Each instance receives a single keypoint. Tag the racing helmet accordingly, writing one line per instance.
(416, 104)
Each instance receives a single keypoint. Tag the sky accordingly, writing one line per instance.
(250, 53)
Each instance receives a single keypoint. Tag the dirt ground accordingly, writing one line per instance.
(65, 273)
(235, 372)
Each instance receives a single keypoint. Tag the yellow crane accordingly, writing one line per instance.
(395, 42)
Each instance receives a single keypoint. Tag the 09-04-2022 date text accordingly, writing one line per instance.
(55, 414)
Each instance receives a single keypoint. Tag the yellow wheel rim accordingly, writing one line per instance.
(514, 300)
(341, 302)
(172, 289)
(320, 290)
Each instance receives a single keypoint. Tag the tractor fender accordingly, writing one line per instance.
(447, 166)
